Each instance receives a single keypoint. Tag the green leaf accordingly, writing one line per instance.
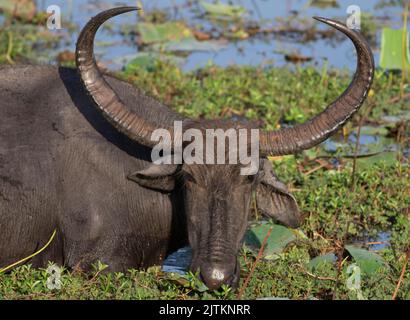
(369, 262)
(170, 31)
(324, 4)
(373, 142)
(144, 60)
(326, 258)
(190, 45)
(391, 56)
(279, 238)
(220, 9)
(389, 158)
(372, 130)
(147, 61)
(239, 34)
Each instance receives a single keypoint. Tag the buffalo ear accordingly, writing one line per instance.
(159, 177)
(274, 199)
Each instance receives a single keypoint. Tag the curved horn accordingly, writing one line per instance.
(111, 106)
(307, 135)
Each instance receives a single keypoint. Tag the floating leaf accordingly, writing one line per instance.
(189, 45)
(389, 158)
(279, 238)
(147, 60)
(369, 130)
(404, 116)
(237, 35)
(297, 58)
(324, 4)
(391, 56)
(373, 141)
(201, 36)
(220, 9)
(326, 258)
(369, 262)
(170, 31)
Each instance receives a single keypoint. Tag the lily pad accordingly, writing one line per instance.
(237, 35)
(163, 32)
(326, 258)
(373, 141)
(394, 120)
(389, 158)
(147, 61)
(369, 262)
(324, 4)
(190, 45)
(369, 130)
(221, 9)
(279, 238)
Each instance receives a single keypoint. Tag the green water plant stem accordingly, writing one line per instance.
(404, 48)
(9, 48)
(30, 256)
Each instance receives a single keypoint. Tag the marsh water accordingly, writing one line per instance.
(267, 49)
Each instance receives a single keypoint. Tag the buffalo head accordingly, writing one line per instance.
(218, 196)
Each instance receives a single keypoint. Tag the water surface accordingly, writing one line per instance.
(259, 50)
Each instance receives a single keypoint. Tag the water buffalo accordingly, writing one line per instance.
(75, 155)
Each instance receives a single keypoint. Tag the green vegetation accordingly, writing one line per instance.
(335, 216)
(273, 95)
(357, 211)
(23, 43)
(330, 208)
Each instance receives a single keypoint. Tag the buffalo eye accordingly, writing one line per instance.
(252, 178)
(248, 179)
(188, 177)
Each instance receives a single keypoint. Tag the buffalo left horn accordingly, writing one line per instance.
(311, 133)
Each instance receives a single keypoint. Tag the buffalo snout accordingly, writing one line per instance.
(215, 275)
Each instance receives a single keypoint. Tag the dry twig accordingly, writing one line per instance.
(403, 271)
(245, 284)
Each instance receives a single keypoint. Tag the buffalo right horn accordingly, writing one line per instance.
(111, 106)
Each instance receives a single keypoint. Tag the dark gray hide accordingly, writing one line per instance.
(62, 165)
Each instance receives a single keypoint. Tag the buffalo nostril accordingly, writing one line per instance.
(217, 275)
(214, 278)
